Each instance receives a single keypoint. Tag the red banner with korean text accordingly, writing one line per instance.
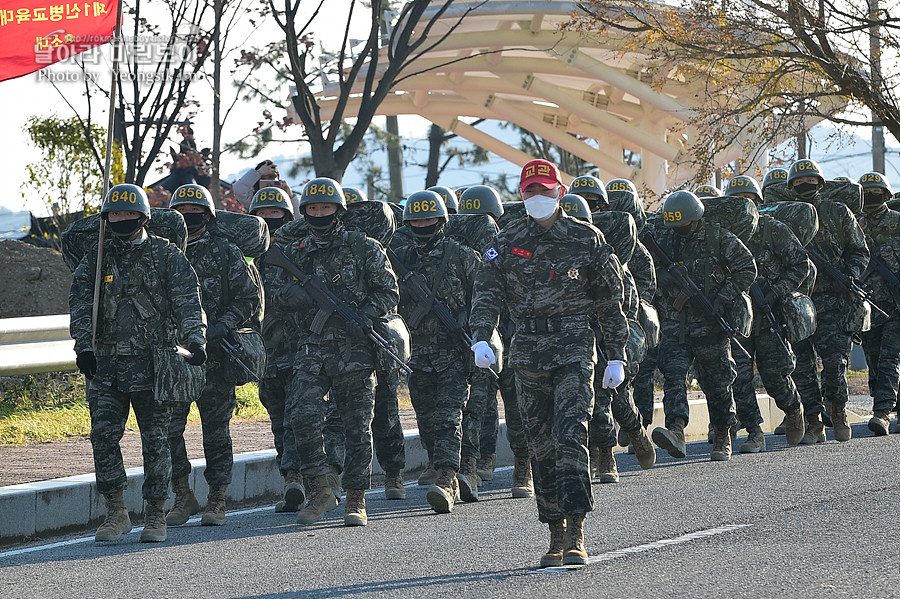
(37, 33)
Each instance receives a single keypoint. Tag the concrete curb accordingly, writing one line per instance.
(71, 504)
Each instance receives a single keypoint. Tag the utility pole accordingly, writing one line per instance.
(875, 61)
(395, 155)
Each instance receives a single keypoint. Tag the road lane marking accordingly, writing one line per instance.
(616, 554)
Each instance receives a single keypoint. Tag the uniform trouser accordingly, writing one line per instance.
(881, 345)
(515, 429)
(483, 389)
(216, 405)
(643, 386)
(109, 409)
(439, 399)
(775, 365)
(711, 356)
(831, 343)
(387, 432)
(556, 407)
(272, 395)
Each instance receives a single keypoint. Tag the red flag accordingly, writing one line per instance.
(37, 33)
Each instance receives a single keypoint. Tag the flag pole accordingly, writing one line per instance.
(113, 95)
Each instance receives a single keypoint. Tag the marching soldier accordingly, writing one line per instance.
(230, 297)
(557, 277)
(149, 298)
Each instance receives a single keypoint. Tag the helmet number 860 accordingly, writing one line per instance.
(470, 204)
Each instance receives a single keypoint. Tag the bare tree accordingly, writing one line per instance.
(761, 68)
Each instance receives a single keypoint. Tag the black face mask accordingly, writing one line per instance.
(275, 223)
(124, 229)
(873, 199)
(805, 191)
(427, 234)
(321, 225)
(195, 221)
(686, 230)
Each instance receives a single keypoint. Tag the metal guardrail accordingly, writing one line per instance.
(36, 344)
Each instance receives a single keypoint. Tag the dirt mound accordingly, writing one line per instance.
(34, 281)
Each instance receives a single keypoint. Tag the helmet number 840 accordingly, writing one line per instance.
(123, 196)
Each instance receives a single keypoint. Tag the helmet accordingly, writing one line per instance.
(842, 178)
(481, 199)
(774, 175)
(449, 196)
(744, 184)
(621, 185)
(707, 191)
(805, 168)
(126, 196)
(272, 197)
(576, 206)
(354, 195)
(459, 191)
(877, 181)
(681, 208)
(323, 190)
(193, 194)
(588, 184)
(424, 204)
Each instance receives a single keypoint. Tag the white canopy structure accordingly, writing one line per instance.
(508, 60)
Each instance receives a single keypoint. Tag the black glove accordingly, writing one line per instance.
(86, 362)
(362, 332)
(294, 296)
(216, 331)
(199, 356)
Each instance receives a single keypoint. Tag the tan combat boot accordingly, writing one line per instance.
(594, 461)
(575, 553)
(880, 423)
(294, 495)
(721, 451)
(607, 469)
(755, 441)
(672, 438)
(214, 514)
(839, 422)
(782, 428)
(393, 485)
(154, 522)
(321, 500)
(186, 504)
(355, 508)
(793, 426)
(522, 485)
(443, 494)
(554, 556)
(815, 431)
(117, 521)
(334, 481)
(643, 448)
(428, 476)
(468, 479)
(485, 469)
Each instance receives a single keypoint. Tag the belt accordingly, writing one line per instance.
(553, 324)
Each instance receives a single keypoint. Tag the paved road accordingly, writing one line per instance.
(793, 522)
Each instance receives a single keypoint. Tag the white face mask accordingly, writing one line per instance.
(541, 207)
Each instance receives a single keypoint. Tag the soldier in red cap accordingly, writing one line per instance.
(558, 279)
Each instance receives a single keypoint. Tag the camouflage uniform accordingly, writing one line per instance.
(230, 297)
(722, 267)
(338, 361)
(149, 292)
(882, 342)
(438, 386)
(782, 266)
(554, 282)
(842, 243)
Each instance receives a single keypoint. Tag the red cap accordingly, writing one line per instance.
(540, 171)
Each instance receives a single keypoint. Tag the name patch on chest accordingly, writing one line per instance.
(520, 252)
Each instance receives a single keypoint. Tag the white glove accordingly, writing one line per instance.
(484, 355)
(614, 375)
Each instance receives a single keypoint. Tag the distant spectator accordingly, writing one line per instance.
(264, 175)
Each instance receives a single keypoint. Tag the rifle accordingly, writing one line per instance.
(426, 303)
(689, 289)
(329, 303)
(234, 353)
(759, 298)
(845, 282)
